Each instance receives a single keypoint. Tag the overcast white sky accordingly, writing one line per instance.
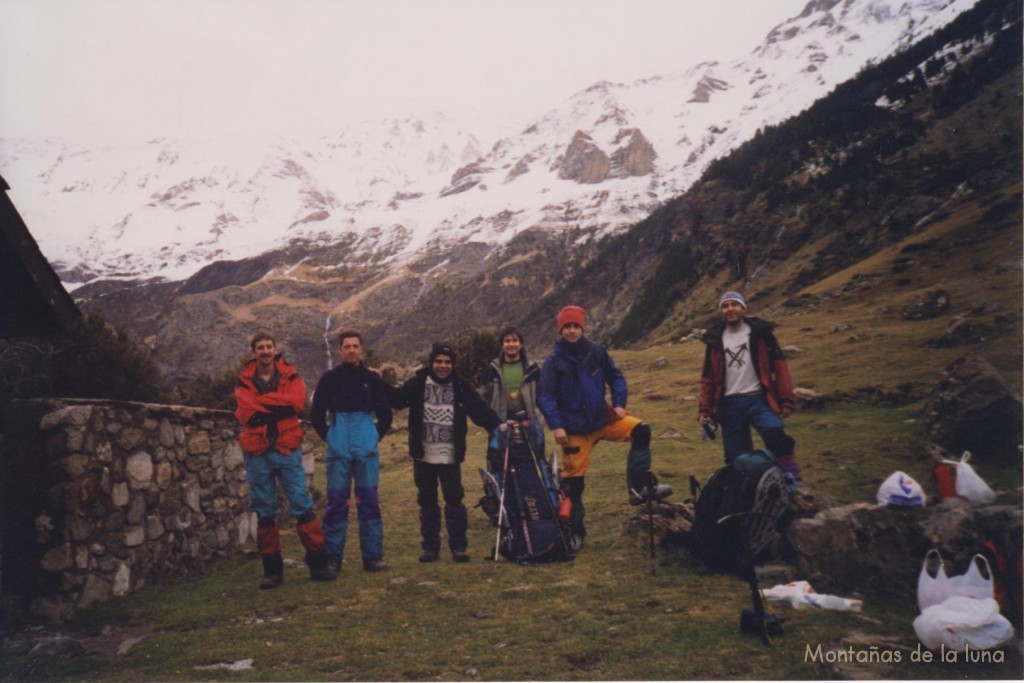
(107, 70)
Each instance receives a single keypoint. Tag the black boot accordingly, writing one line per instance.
(273, 572)
(374, 563)
(457, 522)
(430, 530)
(319, 568)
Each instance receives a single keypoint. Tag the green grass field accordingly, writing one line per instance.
(604, 616)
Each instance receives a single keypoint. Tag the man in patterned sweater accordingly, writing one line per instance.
(439, 401)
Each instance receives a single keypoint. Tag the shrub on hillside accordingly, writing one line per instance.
(209, 391)
(94, 359)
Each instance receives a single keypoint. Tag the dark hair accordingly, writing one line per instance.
(345, 334)
(510, 329)
(258, 337)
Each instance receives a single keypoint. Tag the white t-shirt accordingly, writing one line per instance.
(740, 375)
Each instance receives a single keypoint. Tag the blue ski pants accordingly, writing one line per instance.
(740, 413)
(352, 458)
(261, 471)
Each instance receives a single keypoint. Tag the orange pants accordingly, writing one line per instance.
(576, 464)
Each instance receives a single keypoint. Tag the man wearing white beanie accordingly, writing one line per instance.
(746, 383)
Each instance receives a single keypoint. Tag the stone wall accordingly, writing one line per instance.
(100, 498)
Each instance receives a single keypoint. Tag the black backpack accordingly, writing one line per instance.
(752, 483)
(522, 497)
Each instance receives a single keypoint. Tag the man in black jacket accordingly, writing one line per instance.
(344, 404)
(439, 402)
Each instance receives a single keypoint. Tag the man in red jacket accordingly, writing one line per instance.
(270, 395)
(746, 383)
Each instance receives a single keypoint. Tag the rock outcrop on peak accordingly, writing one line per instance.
(584, 161)
(636, 158)
(706, 86)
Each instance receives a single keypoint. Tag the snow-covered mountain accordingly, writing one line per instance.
(392, 189)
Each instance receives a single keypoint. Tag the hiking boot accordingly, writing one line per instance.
(335, 564)
(575, 544)
(430, 556)
(790, 469)
(320, 568)
(660, 491)
(325, 573)
(374, 564)
(460, 556)
(272, 581)
(273, 572)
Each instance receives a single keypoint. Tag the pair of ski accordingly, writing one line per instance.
(507, 473)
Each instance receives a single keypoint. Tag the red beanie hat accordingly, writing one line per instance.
(570, 314)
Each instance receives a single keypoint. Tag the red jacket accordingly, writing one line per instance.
(769, 362)
(282, 408)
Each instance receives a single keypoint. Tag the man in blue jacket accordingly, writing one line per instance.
(572, 398)
(344, 405)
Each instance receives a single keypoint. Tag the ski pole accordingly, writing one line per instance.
(522, 513)
(551, 505)
(650, 522)
(501, 498)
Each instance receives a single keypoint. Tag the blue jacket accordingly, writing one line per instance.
(572, 387)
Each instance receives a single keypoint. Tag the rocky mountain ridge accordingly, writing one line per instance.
(409, 257)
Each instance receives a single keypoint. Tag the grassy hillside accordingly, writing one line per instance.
(928, 199)
(603, 616)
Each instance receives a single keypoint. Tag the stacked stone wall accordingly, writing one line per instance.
(101, 498)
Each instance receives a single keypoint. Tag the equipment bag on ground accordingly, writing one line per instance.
(522, 497)
(751, 483)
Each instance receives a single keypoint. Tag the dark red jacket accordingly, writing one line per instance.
(769, 363)
(282, 408)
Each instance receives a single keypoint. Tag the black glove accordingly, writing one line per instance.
(708, 429)
(280, 412)
(259, 419)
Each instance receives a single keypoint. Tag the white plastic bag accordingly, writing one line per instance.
(931, 590)
(958, 622)
(800, 595)
(935, 589)
(901, 490)
(972, 583)
(968, 484)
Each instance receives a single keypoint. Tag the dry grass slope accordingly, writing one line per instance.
(605, 616)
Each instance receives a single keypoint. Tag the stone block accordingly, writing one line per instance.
(104, 452)
(136, 509)
(199, 443)
(131, 438)
(57, 559)
(166, 434)
(139, 470)
(119, 494)
(154, 528)
(135, 536)
(192, 495)
(122, 581)
(96, 589)
(233, 456)
(70, 415)
(164, 475)
(68, 468)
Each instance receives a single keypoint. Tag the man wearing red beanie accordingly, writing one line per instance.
(572, 399)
